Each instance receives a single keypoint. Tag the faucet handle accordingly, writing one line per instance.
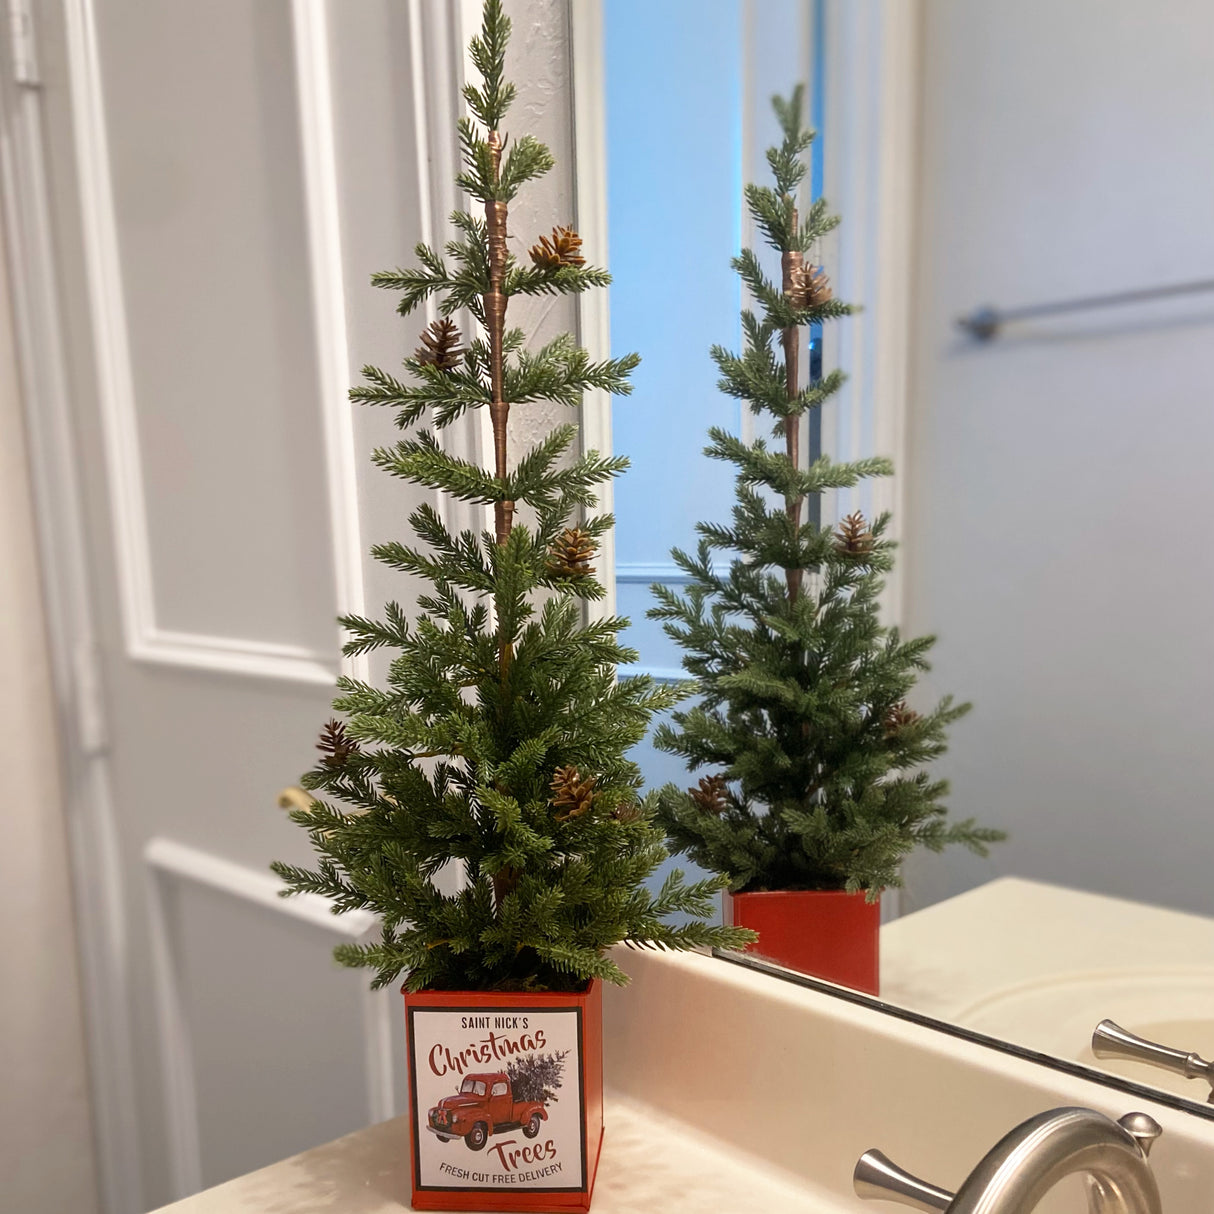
(876, 1178)
(1142, 1128)
(1110, 1040)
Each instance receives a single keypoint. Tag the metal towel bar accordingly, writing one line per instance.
(985, 323)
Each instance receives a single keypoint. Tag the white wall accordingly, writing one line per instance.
(1060, 483)
(46, 1147)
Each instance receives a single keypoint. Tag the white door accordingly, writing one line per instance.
(196, 196)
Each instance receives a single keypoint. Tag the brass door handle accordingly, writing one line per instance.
(295, 797)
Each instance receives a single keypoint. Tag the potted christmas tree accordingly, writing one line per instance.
(815, 790)
(499, 740)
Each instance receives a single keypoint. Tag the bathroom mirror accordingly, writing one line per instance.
(1041, 172)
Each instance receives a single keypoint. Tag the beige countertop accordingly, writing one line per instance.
(737, 1092)
(649, 1163)
(949, 957)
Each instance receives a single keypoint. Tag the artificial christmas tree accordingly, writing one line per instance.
(817, 790)
(500, 738)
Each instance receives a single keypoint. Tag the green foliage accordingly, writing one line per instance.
(498, 684)
(537, 1076)
(816, 761)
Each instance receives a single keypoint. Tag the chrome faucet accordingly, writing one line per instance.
(1110, 1040)
(1021, 1168)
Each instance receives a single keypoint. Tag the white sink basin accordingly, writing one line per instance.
(1173, 1006)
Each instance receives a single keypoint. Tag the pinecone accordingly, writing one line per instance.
(336, 745)
(440, 345)
(898, 717)
(562, 248)
(810, 287)
(630, 811)
(854, 536)
(709, 796)
(570, 554)
(571, 794)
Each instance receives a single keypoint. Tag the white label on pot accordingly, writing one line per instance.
(497, 1098)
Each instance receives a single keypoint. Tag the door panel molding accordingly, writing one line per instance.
(314, 83)
(167, 861)
(146, 640)
(438, 35)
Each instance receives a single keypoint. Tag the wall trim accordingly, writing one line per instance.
(871, 126)
(179, 1090)
(166, 860)
(437, 68)
(97, 876)
(437, 63)
(642, 573)
(313, 72)
(590, 216)
(146, 640)
(659, 674)
(378, 1058)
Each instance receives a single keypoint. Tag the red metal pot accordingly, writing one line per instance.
(505, 1099)
(827, 934)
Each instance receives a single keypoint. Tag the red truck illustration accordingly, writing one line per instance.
(484, 1105)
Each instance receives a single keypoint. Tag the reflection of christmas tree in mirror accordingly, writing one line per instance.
(816, 773)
